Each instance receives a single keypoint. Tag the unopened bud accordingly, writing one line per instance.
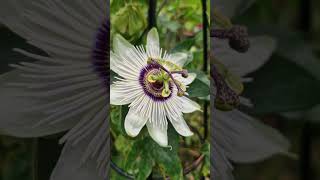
(239, 39)
(184, 73)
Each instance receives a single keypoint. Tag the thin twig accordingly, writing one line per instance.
(195, 130)
(194, 165)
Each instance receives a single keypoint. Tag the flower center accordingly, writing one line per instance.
(100, 54)
(158, 81)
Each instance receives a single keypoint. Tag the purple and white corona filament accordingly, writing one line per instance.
(100, 56)
(154, 85)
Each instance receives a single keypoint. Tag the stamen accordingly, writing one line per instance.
(184, 73)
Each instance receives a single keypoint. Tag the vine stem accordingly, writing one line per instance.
(194, 165)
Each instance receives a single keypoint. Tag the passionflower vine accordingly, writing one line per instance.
(154, 84)
(65, 88)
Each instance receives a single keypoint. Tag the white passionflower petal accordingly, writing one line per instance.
(189, 106)
(15, 120)
(121, 45)
(153, 43)
(262, 141)
(191, 77)
(134, 123)
(71, 166)
(219, 162)
(158, 134)
(244, 63)
(114, 60)
(124, 92)
(65, 89)
(180, 126)
(154, 86)
(179, 58)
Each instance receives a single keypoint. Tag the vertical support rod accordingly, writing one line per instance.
(152, 22)
(35, 165)
(152, 18)
(305, 26)
(205, 62)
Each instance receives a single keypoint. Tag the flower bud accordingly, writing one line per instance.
(239, 39)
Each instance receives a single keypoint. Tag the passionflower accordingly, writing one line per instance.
(154, 85)
(65, 88)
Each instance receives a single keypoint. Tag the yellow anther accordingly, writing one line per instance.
(183, 87)
(180, 93)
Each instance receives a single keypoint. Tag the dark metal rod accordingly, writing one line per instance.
(152, 22)
(205, 62)
(152, 14)
(306, 139)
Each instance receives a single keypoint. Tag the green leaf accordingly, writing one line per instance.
(145, 168)
(184, 45)
(129, 20)
(294, 48)
(282, 86)
(146, 154)
(118, 114)
(168, 159)
(200, 87)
